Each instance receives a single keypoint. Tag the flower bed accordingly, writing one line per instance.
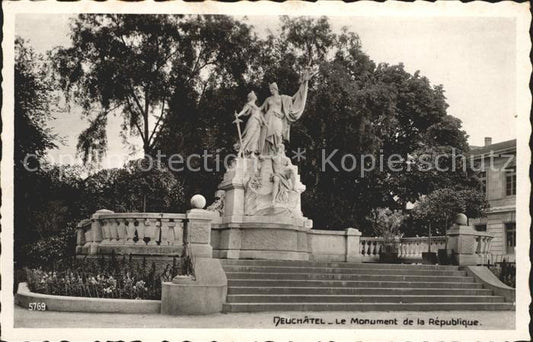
(125, 278)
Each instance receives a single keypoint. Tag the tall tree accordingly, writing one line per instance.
(133, 65)
(34, 101)
(33, 105)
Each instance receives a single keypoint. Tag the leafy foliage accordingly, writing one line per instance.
(386, 224)
(440, 207)
(505, 271)
(132, 65)
(137, 187)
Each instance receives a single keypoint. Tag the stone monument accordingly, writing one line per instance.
(257, 208)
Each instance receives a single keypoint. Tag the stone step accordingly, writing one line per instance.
(236, 290)
(373, 266)
(273, 283)
(427, 306)
(348, 276)
(343, 270)
(321, 298)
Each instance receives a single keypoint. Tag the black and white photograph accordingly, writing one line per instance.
(265, 171)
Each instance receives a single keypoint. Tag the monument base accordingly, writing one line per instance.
(261, 237)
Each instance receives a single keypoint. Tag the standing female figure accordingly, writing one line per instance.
(250, 138)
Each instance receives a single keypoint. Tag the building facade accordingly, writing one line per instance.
(497, 165)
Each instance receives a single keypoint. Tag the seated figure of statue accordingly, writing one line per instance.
(284, 177)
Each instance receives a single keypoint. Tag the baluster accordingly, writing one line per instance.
(157, 238)
(404, 245)
(121, 230)
(106, 235)
(150, 231)
(178, 233)
(420, 247)
(167, 233)
(485, 249)
(375, 248)
(113, 231)
(362, 247)
(130, 231)
(410, 251)
(141, 228)
(400, 249)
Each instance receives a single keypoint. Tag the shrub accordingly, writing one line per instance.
(506, 272)
(386, 223)
(49, 249)
(102, 278)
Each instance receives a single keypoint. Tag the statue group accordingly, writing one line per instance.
(270, 181)
(269, 125)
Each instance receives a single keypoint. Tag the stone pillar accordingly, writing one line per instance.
(462, 245)
(96, 230)
(353, 253)
(197, 232)
(80, 236)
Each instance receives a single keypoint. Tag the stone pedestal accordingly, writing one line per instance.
(203, 294)
(261, 237)
(197, 233)
(462, 244)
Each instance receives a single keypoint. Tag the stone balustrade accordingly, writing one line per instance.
(411, 248)
(164, 234)
(483, 244)
(369, 248)
(131, 233)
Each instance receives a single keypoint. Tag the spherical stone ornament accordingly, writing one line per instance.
(198, 201)
(461, 219)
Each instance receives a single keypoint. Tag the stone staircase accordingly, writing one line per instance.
(271, 285)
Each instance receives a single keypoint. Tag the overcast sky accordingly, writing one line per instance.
(473, 58)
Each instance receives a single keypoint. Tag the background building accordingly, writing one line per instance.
(498, 164)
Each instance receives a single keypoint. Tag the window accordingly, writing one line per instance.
(510, 236)
(481, 227)
(510, 181)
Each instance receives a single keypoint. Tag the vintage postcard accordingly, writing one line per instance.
(265, 171)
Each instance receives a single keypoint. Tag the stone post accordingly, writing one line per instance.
(197, 232)
(205, 291)
(80, 236)
(462, 242)
(352, 245)
(96, 230)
